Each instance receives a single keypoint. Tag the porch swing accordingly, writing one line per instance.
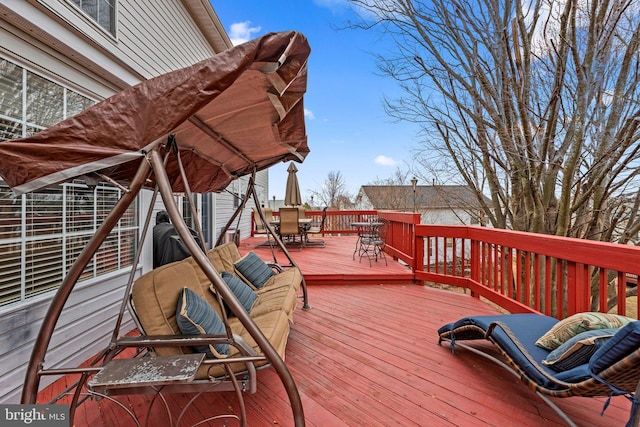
(194, 129)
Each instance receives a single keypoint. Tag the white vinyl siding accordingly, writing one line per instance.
(143, 29)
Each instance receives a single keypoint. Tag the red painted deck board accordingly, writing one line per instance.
(367, 355)
(334, 264)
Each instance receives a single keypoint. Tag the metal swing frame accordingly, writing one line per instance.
(154, 164)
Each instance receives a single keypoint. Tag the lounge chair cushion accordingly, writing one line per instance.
(527, 327)
(575, 375)
(241, 290)
(195, 316)
(578, 350)
(254, 270)
(579, 322)
(623, 343)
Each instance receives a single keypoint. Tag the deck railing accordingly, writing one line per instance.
(519, 271)
(338, 222)
(528, 272)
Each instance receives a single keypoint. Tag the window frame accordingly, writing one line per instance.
(112, 30)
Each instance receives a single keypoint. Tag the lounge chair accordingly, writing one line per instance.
(611, 368)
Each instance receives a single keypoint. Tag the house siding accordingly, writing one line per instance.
(159, 39)
(55, 39)
(82, 330)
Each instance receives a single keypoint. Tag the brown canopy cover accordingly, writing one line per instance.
(239, 110)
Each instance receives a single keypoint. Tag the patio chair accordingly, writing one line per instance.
(593, 366)
(301, 212)
(372, 241)
(289, 227)
(316, 229)
(260, 226)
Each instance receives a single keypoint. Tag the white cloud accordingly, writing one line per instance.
(242, 32)
(309, 114)
(385, 161)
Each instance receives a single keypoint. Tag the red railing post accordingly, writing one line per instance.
(475, 264)
(418, 252)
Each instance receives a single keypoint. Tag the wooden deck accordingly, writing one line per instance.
(368, 356)
(334, 264)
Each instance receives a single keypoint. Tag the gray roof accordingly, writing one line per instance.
(400, 197)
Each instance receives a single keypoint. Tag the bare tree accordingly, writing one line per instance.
(333, 192)
(532, 102)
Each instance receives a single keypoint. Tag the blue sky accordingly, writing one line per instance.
(347, 128)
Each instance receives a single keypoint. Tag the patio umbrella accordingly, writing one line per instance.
(292, 192)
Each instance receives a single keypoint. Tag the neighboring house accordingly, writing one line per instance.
(437, 204)
(57, 58)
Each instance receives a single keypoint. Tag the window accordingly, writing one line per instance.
(30, 103)
(101, 11)
(42, 233)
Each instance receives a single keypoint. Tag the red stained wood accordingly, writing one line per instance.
(334, 264)
(368, 356)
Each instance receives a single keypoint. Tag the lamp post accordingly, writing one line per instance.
(414, 183)
(274, 202)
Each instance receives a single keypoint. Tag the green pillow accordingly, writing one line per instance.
(578, 350)
(195, 316)
(579, 322)
(254, 270)
(241, 290)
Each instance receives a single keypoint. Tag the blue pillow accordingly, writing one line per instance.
(578, 350)
(623, 343)
(241, 290)
(254, 270)
(195, 316)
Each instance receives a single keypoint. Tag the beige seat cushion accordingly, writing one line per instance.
(283, 298)
(155, 298)
(289, 277)
(275, 327)
(224, 256)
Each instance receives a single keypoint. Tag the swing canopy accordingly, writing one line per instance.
(228, 115)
